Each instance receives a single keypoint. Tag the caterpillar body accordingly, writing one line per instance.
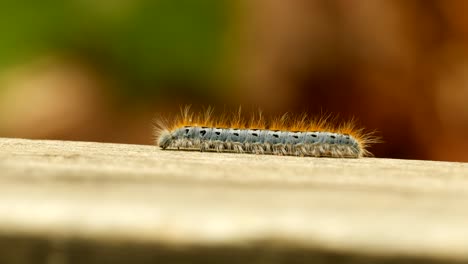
(298, 136)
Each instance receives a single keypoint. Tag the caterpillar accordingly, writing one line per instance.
(283, 135)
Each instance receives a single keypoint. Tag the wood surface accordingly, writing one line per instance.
(83, 202)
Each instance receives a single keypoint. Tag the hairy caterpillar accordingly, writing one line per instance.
(296, 136)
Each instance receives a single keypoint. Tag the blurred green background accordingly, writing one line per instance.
(102, 70)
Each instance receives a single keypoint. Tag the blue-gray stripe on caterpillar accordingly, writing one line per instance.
(262, 141)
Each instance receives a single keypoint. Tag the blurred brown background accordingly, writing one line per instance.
(102, 70)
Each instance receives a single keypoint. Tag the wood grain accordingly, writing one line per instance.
(80, 202)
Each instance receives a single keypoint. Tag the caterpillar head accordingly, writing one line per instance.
(165, 139)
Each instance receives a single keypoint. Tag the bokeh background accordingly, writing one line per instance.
(102, 70)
